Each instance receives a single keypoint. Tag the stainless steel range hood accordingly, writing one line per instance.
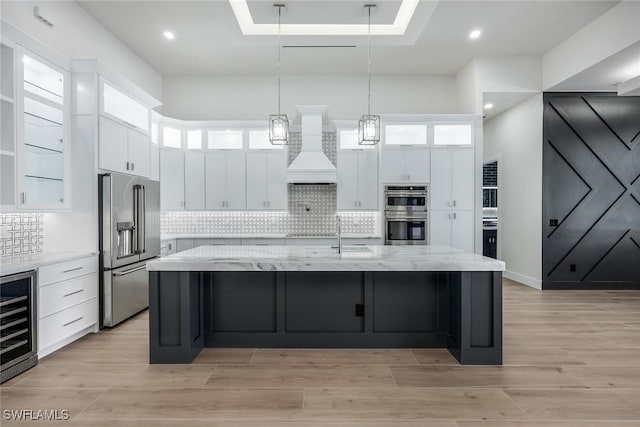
(312, 166)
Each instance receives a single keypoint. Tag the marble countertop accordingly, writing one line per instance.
(263, 236)
(18, 263)
(322, 258)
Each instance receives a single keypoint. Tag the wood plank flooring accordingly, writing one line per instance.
(572, 359)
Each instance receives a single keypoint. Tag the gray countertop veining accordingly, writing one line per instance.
(322, 258)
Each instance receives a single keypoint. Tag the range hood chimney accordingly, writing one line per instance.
(312, 166)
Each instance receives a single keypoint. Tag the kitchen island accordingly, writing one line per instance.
(366, 296)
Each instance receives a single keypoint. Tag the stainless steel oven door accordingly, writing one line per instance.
(405, 202)
(406, 231)
(126, 292)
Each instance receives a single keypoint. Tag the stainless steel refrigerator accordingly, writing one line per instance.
(129, 235)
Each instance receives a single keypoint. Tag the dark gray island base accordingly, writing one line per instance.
(459, 310)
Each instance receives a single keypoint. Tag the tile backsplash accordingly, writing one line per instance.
(265, 224)
(21, 233)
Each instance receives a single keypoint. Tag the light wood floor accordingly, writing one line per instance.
(572, 359)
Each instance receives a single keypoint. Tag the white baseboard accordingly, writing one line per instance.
(68, 340)
(525, 280)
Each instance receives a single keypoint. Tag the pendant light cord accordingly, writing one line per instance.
(369, 63)
(279, 43)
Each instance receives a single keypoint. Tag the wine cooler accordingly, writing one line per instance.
(18, 320)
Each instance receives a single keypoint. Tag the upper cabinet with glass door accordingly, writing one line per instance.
(43, 132)
(453, 134)
(7, 127)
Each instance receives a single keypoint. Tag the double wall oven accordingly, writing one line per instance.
(405, 211)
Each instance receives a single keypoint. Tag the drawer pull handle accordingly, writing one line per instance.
(73, 321)
(73, 269)
(72, 293)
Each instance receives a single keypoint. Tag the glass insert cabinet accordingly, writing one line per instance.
(43, 130)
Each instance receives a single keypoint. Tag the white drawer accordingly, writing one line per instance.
(67, 270)
(62, 295)
(61, 325)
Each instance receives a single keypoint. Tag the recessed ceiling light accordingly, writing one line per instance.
(475, 34)
(169, 35)
(488, 106)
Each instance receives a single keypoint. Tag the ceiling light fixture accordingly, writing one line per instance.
(398, 28)
(369, 125)
(488, 106)
(475, 34)
(169, 35)
(279, 123)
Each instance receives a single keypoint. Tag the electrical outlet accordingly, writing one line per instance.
(4, 231)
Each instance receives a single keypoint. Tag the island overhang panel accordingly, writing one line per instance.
(375, 297)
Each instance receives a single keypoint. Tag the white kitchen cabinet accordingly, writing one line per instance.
(122, 108)
(7, 127)
(405, 134)
(357, 180)
(267, 180)
(43, 133)
(139, 153)
(171, 180)
(405, 165)
(194, 180)
(452, 178)
(68, 303)
(454, 228)
(123, 149)
(225, 172)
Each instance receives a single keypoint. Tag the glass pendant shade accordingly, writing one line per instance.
(369, 130)
(278, 129)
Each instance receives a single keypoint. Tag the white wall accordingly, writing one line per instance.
(255, 97)
(505, 74)
(515, 139)
(466, 89)
(612, 32)
(77, 35)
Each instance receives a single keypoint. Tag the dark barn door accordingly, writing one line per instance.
(591, 191)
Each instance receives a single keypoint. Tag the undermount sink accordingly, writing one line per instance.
(355, 249)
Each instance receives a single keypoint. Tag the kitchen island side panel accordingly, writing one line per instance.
(461, 311)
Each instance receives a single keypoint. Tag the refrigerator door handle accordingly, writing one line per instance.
(124, 273)
(138, 217)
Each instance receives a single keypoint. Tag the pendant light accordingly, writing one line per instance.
(279, 123)
(369, 125)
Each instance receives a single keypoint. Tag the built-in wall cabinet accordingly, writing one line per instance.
(358, 180)
(35, 130)
(124, 137)
(172, 180)
(405, 165)
(123, 149)
(267, 180)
